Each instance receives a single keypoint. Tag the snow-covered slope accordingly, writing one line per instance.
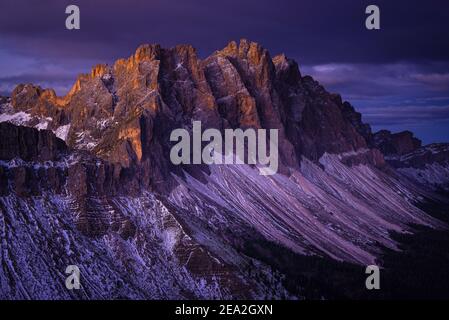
(144, 254)
(337, 211)
(427, 165)
(184, 245)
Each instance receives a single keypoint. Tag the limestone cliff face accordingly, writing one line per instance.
(124, 113)
(316, 121)
(19, 145)
(29, 144)
(36, 161)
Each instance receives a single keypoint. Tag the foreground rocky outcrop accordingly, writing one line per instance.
(65, 207)
(89, 181)
(29, 144)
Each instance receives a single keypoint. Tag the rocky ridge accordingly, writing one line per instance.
(428, 165)
(92, 184)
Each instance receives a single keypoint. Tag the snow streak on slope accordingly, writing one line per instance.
(341, 212)
(427, 165)
(434, 174)
(144, 254)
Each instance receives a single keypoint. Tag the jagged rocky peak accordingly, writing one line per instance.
(248, 50)
(146, 52)
(317, 121)
(252, 60)
(120, 112)
(287, 70)
(29, 96)
(396, 143)
(355, 118)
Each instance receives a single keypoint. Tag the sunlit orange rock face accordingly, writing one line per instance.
(124, 113)
(133, 136)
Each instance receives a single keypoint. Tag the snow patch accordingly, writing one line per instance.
(62, 132)
(18, 118)
(434, 175)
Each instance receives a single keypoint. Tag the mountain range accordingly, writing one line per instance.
(86, 180)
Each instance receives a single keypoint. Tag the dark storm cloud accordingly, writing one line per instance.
(396, 96)
(36, 77)
(317, 31)
(405, 115)
(406, 63)
(372, 83)
(58, 82)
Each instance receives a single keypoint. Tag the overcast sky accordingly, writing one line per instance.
(398, 77)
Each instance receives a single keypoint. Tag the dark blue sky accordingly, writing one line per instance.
(398, 77)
